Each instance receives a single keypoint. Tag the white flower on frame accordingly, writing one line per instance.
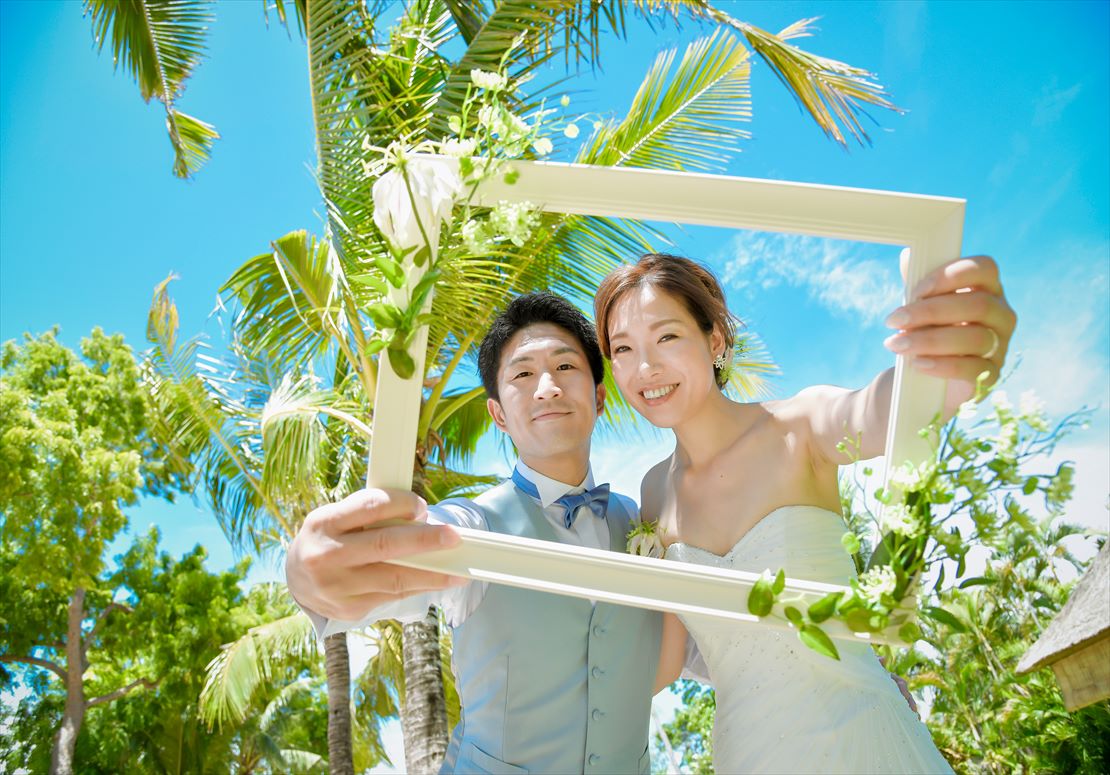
(1031, 408)
(571, 131)
(877, 582)
(897, 518)
(543, 146)
(459, 148)
(484, 79)
(400, 215)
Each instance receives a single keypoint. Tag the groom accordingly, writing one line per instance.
(547, 683)
(550, 683)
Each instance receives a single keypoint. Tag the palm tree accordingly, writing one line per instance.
(303, 302)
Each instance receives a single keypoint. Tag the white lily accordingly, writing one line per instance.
(407, 218)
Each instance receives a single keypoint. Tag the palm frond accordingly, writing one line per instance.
(752, 368)
(681, 119)
(291, 300)
(441, 483)
(300, 10)
(160, 44)
(835, 94)
(245, 665)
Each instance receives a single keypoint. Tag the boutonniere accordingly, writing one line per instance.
(645, 540)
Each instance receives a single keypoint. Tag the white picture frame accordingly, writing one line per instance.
(930, 227)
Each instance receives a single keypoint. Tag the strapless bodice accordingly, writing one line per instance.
(782, 707)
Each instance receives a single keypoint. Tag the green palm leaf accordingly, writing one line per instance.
(159, 43)
(245, 665)
(681, 119)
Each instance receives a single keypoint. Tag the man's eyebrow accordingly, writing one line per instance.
(653, 326)
(528, 357)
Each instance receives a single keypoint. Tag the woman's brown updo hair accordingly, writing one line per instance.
(686, 280)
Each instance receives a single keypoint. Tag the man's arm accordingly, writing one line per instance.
(958, 327)
(337, 565)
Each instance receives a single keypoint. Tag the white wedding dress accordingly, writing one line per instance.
(782, 707)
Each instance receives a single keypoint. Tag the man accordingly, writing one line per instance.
(547, 683)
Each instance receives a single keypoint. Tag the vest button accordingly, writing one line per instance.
(594, 758)
(597, 714)
(598, 630)
(597, 672)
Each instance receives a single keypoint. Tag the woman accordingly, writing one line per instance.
(754, 486)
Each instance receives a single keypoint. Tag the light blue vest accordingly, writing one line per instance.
(551, 683)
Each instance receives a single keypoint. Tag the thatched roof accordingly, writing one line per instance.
(1084, 619)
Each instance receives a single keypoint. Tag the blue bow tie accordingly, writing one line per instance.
(596, 499)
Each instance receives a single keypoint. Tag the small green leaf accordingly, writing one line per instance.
(375, 346)
(422, 255)
(909, 632)
(373, 282)
(1030, 485)
(511, 177)
(945, 617)
(858, 620)
(814, 637)
(794, 615)
(976, 581)
(466, 167)
(762, 598)
(780, 582)
(454, 123)
(825, 607)
(940, 579)
(391, 269)
(850, 542)
(424, 287)
(385, 315)
(402, 363)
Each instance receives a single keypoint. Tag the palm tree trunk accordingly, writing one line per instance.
(424, 719)
(65, 741)
(340, 751)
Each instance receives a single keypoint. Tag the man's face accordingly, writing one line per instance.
(549, 402)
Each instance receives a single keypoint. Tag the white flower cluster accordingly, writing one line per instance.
(484, 79)
(458, 148)
(877, 582)
(1031, 409)
(515, 221)
(898, 518)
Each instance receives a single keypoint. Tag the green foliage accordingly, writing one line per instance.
(690, 732)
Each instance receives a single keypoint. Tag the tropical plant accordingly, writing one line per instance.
(300, 305)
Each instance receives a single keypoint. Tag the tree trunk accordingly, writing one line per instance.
(424, 719)
(340, 751)
(65, 741)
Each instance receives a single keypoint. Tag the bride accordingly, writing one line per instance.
(754, 486)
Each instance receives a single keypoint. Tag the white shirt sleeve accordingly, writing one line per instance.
(457, 603)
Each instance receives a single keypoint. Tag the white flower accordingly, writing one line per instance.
(435, 187)
(644, 540)
(877, 582)
(459, 148)
(514, 221)
(967, 411)
(571, 131)
(487, 80)
(897, 518)
(1002, 401)
(543, 146)
(564, 100)
(1031, 408)
(475, 235)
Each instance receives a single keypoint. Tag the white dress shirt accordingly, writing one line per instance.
(457, 603)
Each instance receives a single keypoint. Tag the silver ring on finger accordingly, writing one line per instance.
(994, 345)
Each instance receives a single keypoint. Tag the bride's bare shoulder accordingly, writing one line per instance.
(653, 488)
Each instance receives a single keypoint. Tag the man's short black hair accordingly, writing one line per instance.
(527, 310)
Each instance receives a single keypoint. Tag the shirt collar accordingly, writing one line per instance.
(551, 490)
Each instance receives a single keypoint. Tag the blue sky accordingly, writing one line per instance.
(1006, 107)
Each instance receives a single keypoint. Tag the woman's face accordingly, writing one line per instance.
(662, 361)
